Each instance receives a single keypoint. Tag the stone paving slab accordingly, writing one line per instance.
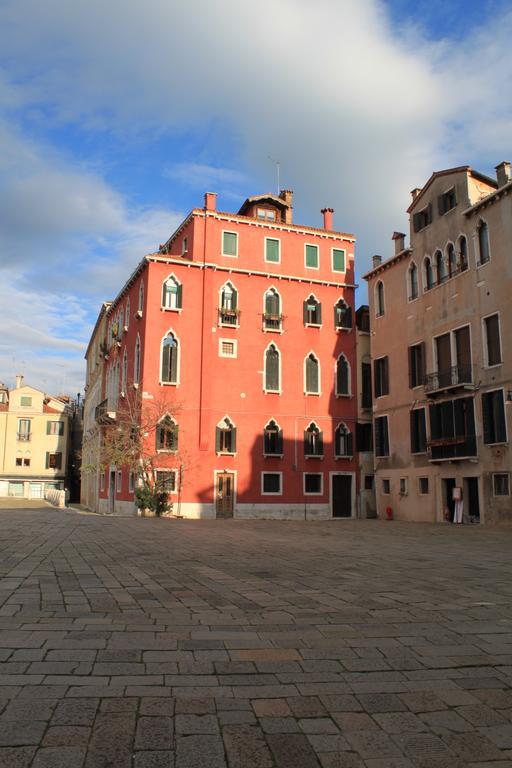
(252, 644)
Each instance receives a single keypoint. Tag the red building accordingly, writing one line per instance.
(242, 324)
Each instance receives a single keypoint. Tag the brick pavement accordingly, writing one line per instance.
(186, 644)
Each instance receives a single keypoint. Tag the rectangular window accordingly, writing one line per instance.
(312, 256)
(368, 482)
(423, 485)
(229, 244)
(227, 348)
(493, 414)
(416, 365)
(166, 480)
(271, 483)
(102, 481)
(313, 483)
(119, 481)
(381, 436)
(418, 430)
(266, 213)
(381, 376)
(492, 340)
(272, 250)
(131, 482)
(364, 436)
(55, 428)
(25, 401)
(19, 461)
(272, 440)
(447, 201)
(501, 484)
(423, 218)
(386, 486)
(24, 430)
(366, 379)
(54, 460)
(338, 260)
(452, 429)
(184, 246)
(403, 486)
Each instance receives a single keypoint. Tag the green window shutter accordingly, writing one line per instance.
(305, 311)
(279, 442)
(233, 439)
(174, 363)
(47, 462)
(179, 296)
(319, 313)
(234, 299)
(229, 243)
(350, 450)
(307, 450)
(320, 444)
(166, 361)
(272, 250)
(48, 428)
(217, 439)
(338, 260)
(58, 460)
(311, 256)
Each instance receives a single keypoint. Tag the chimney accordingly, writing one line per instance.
(327, 212)
(503, 173)
(415, 192)
(399, 238)
(19, 380)
(210, 201)
(287, 196)
(376, 260)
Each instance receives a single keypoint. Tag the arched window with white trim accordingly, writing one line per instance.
(428, 274)
(136, 362)
(228, 305)
(124, 371)
(170, 359)
(225, 436)
(272, 369)
(272, 318)
(127, 314)
(272, 439)
(311, 375)
(167, 434)
(342, 315)
(412, 281)
(141, 296)
(313, 441)
(342, 378)
(379, 299)
(312, 310)
(343, 442)
(172, 293)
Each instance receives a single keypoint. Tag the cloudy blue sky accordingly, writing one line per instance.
(116, 116)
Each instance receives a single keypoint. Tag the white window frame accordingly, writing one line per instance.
(505, 419)
(279, 329)
(176, 383)
(174, 471)
(137, 362)
(378, 313)
(319, 303)
(420, 492)
(236, 291)
(349, 370)
(476, 238)
(403, 486)
(388, 481)
(222, 426)
(408, 282)
(102, 480)
(485, 344)
(345, 257)
(229, 255)
(382, 416)
(500, 495)
(172, 277)
(312, 394)
(313, 493)
(119, 481)
(131, 482)
(228, 341)
(272, 493)
(278, 241)
(272, 391)
(127, 314)
(313, 245)
(140, 307)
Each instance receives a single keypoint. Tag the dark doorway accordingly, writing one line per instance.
(224, 495)
(341, 495)
(472, 502)
(449, 503)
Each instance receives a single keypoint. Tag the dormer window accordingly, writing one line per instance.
(266, 214)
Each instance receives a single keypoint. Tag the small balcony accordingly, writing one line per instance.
(449, 379)
(24, 437)
(272, 322)
(229, 316)
(452, 447)
(102, 413)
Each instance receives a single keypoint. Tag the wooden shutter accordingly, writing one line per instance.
(305, 311)
(320, 444)
(319, 313)
(218, 438)
(279, 441)
(487, 418)
(58, 460)
(272, 369)
(233, 439)
(179, 296)
(166, 354)
(349, 443)
(416, 219)
(348, 317)
(307, 449)
(385, 374)
(492, 329)
(174, 362)
(312, 383)
(47, 462)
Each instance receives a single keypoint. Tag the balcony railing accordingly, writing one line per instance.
(102, 414)
(272, 322)
(23, 437)
(455, 376)
(228, 316)
(452, 447)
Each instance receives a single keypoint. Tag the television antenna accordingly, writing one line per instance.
(278, 164)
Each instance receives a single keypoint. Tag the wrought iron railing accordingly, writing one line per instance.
(456, 375)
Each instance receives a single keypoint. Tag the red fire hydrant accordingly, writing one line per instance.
(389, 513)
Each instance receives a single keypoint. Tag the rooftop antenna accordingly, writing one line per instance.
(277, 171)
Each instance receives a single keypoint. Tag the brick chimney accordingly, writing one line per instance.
(287, 196)
(503, 173)
(376, 260)
(399, 238)
(19, 380)
(210, 201)
(327, 212)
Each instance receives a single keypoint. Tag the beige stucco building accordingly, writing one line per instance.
(95, 360)
(34, 433)
(366, 501)
(442, 370)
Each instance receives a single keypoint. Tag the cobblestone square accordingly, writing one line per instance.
(144, 643)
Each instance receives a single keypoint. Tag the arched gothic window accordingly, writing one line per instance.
(272, 369)
(312, 375)
(167, 435)
(172, 292)
(379, 299)
(343, 443)
(272, 315)
(313, 441)
(170, 352)
(413, 282)
(342, 376)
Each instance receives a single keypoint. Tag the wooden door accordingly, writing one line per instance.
(224, 494)
(342, 495)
